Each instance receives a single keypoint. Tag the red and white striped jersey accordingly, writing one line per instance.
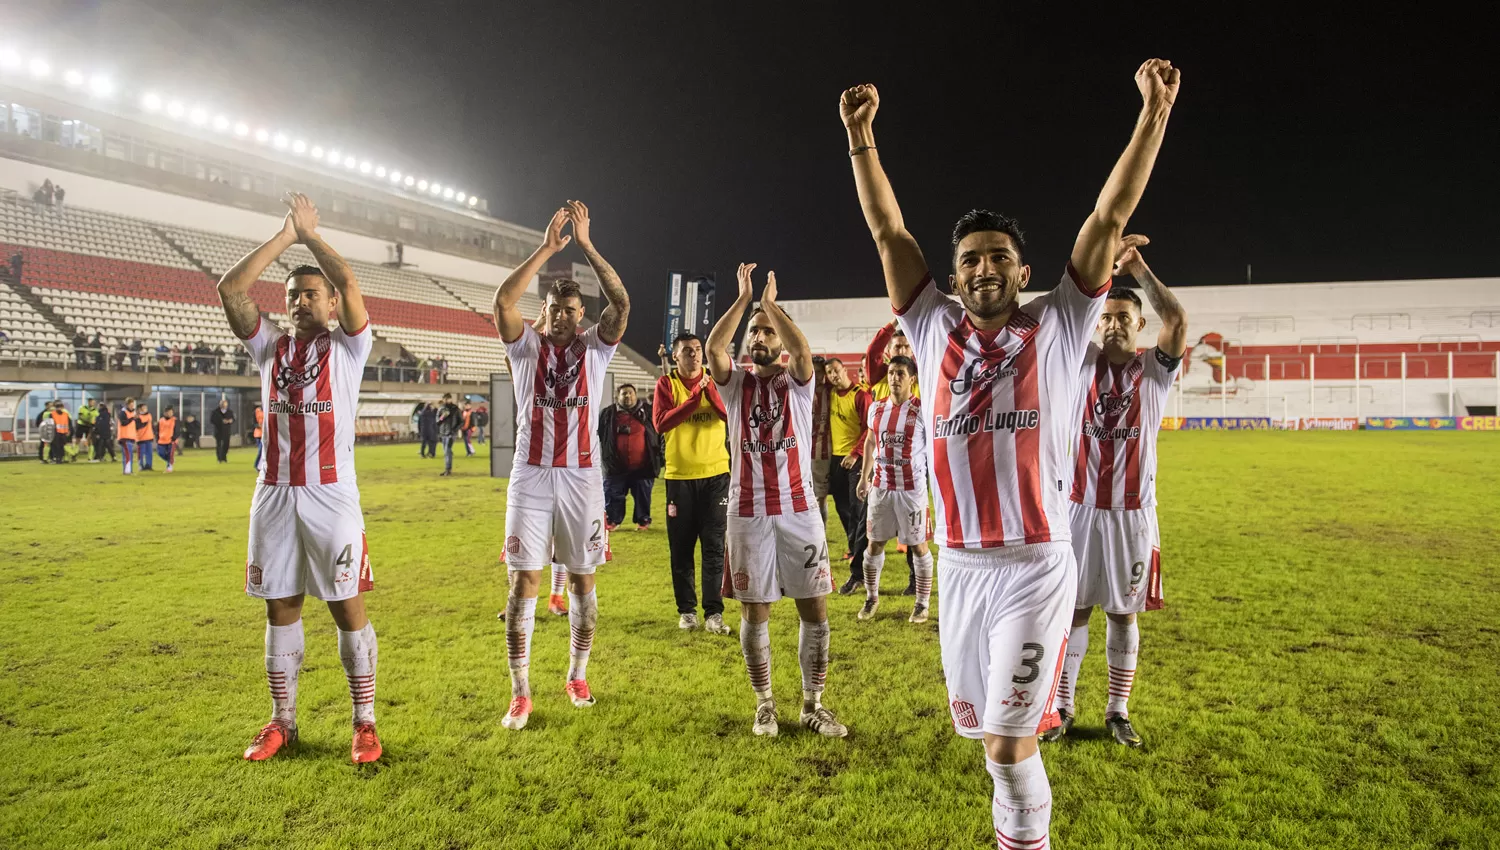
(557, 397)
(822, 440)
(1001, 411)
(310, 395)
(770, 462)
(900, 444)
(1122, 410)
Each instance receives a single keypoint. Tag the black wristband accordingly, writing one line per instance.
(861, 149)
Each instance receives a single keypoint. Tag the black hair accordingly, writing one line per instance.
(819, 360)
(905, 363)
(621, 388)
(314, 271)
(828, 360)
(1120, 293)
(686, 337)
(564, 288)
(975, 221)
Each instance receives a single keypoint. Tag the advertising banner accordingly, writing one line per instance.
(690, 305)
(1415, 423)
(1479, 423)
(1215, 423)
(1324, 423)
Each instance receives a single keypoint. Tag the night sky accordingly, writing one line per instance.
(1314, 146)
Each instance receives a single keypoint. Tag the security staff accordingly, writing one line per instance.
(126, 428)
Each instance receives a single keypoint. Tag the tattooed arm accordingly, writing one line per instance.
(614, 318)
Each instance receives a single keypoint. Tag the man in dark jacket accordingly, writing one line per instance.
(192, 430)
(450, 424)
(632, 454)
(222, 420)
(103, 438)
(427, 428)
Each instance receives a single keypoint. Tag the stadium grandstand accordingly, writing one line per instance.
(108, 290)
(1290, 352)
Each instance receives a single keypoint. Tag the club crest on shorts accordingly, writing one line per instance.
(963, 714)
(741, 581)
(253, 573)
(513, 544)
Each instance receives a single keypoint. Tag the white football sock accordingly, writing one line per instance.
(559, 579)
(283, 663)
(520, 619)
(358, 651)
(873, 565)
(1121, 647)
(583, 615)
(1067, 685)
(755, 644)
(923, 565)
(1022, 805)
(812, 653)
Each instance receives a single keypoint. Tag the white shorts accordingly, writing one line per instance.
(554, 514)
(307, 540)
(1006, 614)
(897, 514)
(1119, 559)
(773, 556)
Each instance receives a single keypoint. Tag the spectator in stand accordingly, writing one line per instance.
(96, 350)
(468, 429)
(427, 429)
(256, 432)
(689, 414)
(145, 438)
(120, 355)
(192, 431)
(61, 432)
(443, 368)
(449, 423)
(481, 419)
(424, 370)
(848, 402)
(135, 356)
(241, 360)
(80, 355)
(163, 355)
(103, 438)
(631, 451)
(57, 197)
(125, 432)
(16, 261)
(166, 436)
(222, 420)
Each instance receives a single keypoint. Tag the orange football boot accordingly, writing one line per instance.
(366, 745)
(269, 740)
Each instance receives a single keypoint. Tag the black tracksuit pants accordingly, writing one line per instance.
(842, 484)
(696, 511)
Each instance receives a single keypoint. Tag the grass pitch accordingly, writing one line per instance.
(1324, 676)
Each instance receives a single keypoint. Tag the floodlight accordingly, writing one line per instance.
(151, 102)
(421, 185)
(39, 68)
(101, 86)
(395, 177)
(175, 109)
(9, 59)
(473, 200)
(299, 146)
(262, 135)
(317, 152)
(348, 162)
(221, 123)
(365, 167)
(280, 141)
(334, 157)
(448, 193)
(461, 197)
(409, 180)
(379, 171)
(73, 77)
(437, 189)
(241, 129)
(198, 116)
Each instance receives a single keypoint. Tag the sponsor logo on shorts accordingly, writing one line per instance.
(741, 581)
(513, 544)
(963, 714)
(1018, 698)
(343, 577)
(253, 573)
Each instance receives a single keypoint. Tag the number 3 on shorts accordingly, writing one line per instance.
(1033, 664)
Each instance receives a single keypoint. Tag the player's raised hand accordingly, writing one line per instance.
(857, 105)
(579, 215)
(1158, 80)
(303, 215)
(555, 240)
(1128, 259)
(768, 295)
(747, 287)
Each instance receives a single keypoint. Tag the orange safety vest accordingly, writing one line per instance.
(143, 432)
(260, 417)
(166, 430)
(60, 419)
(127, 425)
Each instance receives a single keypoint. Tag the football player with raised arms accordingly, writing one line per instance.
(555, 498)
(893, 483)
(1113, 512)
(775, 541)
(307, 532)
(1001, 392)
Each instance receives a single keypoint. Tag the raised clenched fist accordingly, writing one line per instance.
(857, 105)
(1158, 80)
(1128, 259)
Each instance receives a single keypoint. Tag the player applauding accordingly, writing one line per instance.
(1002, 387)
(894, 484)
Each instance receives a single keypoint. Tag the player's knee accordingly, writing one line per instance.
(579, 584)
(1120, 619)
(875, 547)
(1003, 749)
(285, 611)
(755, 612)
(1081, 616)
(525, 583)
(921, 549)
